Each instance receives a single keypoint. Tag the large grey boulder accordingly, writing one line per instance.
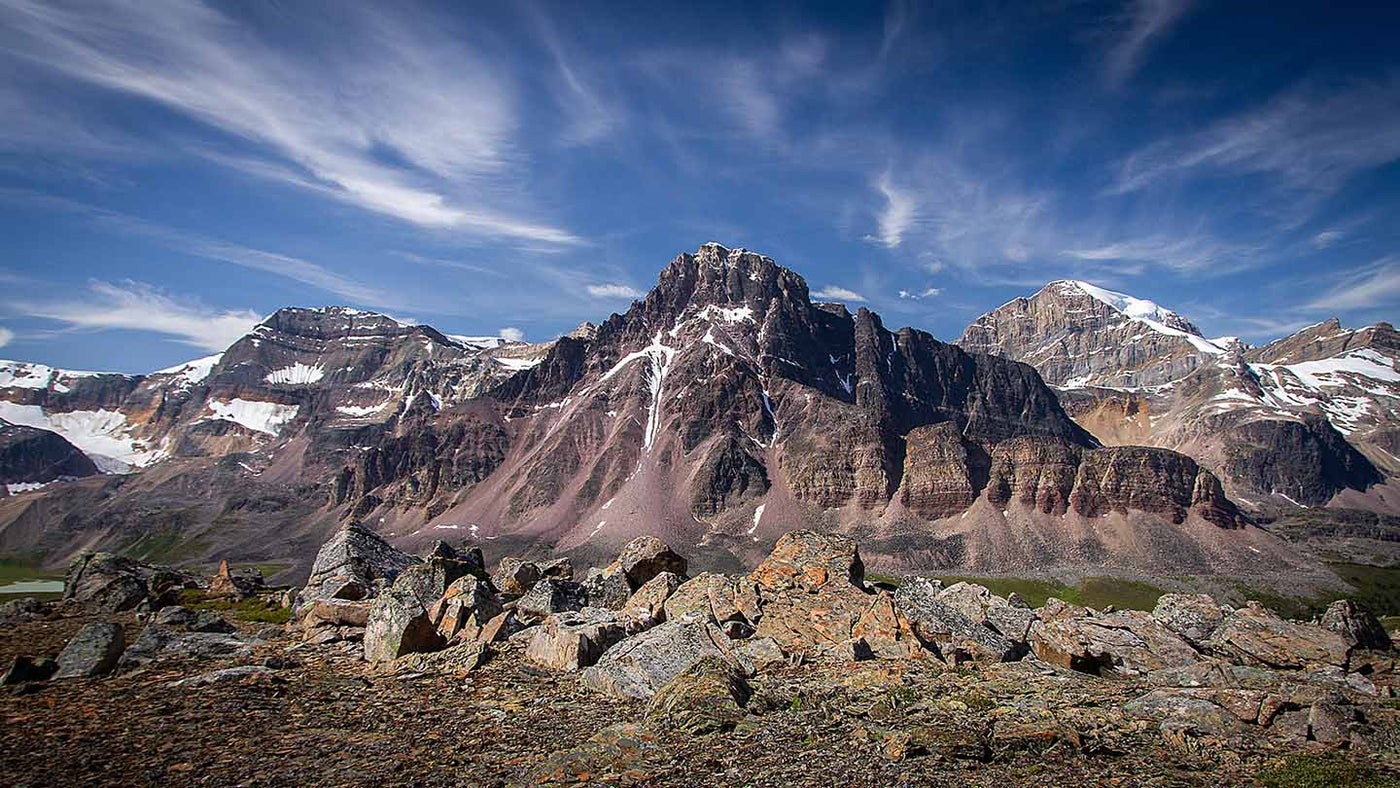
(1356, 624)
(109, 583)
(186, 620)
(94, 651)
(23, 669)
(158, 643)
(19, 611)
(1122, 642)
(955, 636)
(1194, 617)
(607, 588)
(639, 665)
(645, 557)
(549, 596)
(353, 564)
(516, 576)
(399, 624)
(707, 697)
(574, 640)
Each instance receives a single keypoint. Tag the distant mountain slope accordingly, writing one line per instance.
(1298, 422)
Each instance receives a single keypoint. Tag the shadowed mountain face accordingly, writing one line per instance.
(1304, 421)
(720, 411)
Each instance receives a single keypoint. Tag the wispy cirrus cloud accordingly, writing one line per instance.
(1310, 137)
(138, 306)
(1144, 24)
(394, 114)
(288, 266)
(1373, 285)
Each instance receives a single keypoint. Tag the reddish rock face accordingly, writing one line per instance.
(811, 561)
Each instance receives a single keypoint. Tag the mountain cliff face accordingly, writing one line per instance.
(720, 411)
(32, 457)
(1300, 422)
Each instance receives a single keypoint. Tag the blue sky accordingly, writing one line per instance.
(171, 171)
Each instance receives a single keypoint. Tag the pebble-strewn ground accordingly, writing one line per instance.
(323, 718)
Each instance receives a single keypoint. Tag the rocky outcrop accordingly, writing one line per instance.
(575, 640)
(353, 565)
(1255, 635)
(1357, 625)
(109, 583)
(29, 455)
(1126, 642)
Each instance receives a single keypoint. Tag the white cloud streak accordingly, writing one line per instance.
(837, 293)
(138, 306)
(930, 292)
(6, 336)
(1309, 138)
(391, 88)
(511, 334)
(613, 290)
(897, 214)
(293, 268)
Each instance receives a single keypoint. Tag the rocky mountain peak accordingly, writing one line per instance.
(1078, 334)
(716, 276)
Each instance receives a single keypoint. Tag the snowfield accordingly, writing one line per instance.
(266, 417)
(103, 435)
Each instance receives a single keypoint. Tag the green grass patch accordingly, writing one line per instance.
(1323, 771)
(251, 609)
(1095, 592)
(1377, 587)
(168, 546)
(13, 569)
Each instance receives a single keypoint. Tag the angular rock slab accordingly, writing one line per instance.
(641, 664)
(574, 640)
(352, 564)
(398, 625)
(93, 651)
(1255, 635)
(646, 557)
(1128, 641)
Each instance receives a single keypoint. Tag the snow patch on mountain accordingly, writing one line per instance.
(518, 364)
(24, 375)
(265, 417)
(298, 374)
(1156, 317)
(192, 372)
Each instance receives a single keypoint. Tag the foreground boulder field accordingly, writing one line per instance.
(659, 677)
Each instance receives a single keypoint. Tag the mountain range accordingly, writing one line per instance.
(1074, 430)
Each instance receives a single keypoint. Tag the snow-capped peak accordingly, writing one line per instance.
(1156, 317)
